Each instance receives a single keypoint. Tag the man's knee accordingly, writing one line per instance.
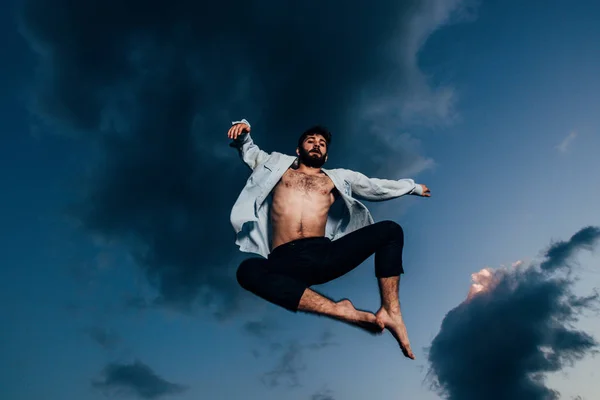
(248, 271)
(393, 229)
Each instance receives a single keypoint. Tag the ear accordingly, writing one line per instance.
(298, 151)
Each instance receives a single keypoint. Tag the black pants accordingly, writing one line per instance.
(294, 266)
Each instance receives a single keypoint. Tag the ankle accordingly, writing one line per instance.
(392, 309)
(344, 309)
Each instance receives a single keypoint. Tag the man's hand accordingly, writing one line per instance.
(426, 191)
(237, 130)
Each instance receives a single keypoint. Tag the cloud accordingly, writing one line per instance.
(410, 97)
(325, 340)
(515, 328)
(288, 367)
(155, 94)
(262, 328)
(291, 361)
(135, 379)
(566, 142)
(323, 394)
(561, 252)
(104, 337)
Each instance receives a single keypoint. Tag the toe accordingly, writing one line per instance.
(408, 352)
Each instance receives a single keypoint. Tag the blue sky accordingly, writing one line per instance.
(493, 106)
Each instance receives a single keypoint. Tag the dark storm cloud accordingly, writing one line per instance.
(156, 84)
(104, 337)
(136, 379)
(560, 252)
(501, 343)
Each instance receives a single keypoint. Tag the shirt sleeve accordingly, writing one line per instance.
(249, 152)
(376, 189)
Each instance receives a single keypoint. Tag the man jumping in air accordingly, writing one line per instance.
(310, 228)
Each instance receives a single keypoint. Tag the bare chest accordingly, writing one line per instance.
(309, 184)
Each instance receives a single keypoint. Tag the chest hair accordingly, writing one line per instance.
(307, 183)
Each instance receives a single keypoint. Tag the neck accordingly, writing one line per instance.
(308, 170)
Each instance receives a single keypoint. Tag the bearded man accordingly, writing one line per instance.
(308, 227)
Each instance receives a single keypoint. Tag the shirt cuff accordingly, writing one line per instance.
(243, 121)
(418, 190)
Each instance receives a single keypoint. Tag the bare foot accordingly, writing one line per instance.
(361, 319)
(395, 324)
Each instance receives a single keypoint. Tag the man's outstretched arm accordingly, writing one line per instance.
(242, 141)
(376, 189)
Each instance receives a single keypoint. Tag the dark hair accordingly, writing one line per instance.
(316, 130)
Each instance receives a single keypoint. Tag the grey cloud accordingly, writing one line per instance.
(136, 302)
(323, 394)
(262, 328)
(560, 252)
(325, 340)
(135, 379)
(288, 367)
(265, 330)
(291, 363)
(501, 343)
(256, 353)
(106, 338)
(155, 94)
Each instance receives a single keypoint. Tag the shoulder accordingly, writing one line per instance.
(276, 160)
(284, 155)
(276, 156)
(281, 157)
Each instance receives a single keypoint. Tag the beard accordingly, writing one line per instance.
(313, 160)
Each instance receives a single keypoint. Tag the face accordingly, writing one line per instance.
(313, 152)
